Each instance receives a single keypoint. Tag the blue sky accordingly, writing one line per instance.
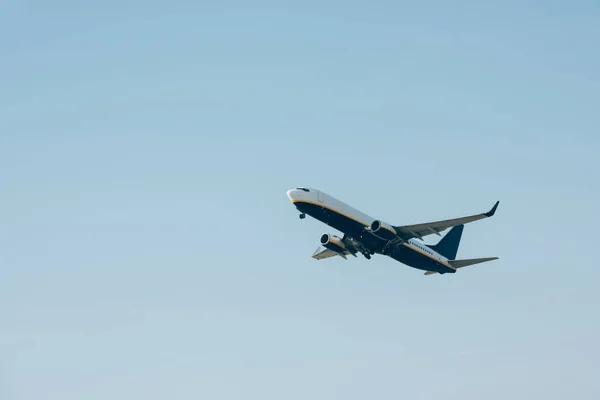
(149, 249)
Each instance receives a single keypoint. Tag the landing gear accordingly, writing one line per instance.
(389, 246)
(302, 216)
(367, 256)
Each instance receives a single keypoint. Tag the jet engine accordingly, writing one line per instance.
(383, 230)
(333, 242)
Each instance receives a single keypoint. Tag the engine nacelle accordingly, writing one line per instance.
(383, 230)
(333, 242)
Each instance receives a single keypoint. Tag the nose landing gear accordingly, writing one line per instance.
(302, 216)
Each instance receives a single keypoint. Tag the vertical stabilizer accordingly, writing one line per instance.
(448, 246)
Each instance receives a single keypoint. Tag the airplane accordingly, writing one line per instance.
(369, 236)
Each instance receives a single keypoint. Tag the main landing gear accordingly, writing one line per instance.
(367, 254)
(302, 216)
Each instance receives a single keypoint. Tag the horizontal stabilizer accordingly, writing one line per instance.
(464, 263)
(470, 261)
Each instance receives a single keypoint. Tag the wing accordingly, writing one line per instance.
(351, 248)
(322, 253)
(420, 230)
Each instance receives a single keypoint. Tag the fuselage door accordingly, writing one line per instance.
(319, 196)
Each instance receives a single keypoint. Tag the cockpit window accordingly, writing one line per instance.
(304, 189)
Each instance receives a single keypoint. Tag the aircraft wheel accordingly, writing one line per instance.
(302, 216)
(367, 256)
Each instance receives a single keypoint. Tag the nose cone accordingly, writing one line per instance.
(292, 194)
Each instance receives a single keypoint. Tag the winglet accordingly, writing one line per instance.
(493, 210)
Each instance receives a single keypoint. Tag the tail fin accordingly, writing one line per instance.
(448, 246)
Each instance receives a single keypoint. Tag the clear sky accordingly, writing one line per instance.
(148, 249)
